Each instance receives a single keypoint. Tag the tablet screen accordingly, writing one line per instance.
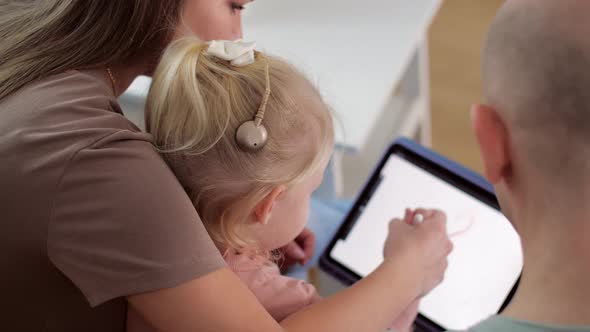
(484, 265)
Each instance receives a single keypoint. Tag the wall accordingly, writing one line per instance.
(456, 39)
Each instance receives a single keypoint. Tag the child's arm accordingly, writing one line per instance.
(405, 321)
(370, 304)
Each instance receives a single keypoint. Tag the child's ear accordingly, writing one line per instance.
(492, 136)
(263, 209)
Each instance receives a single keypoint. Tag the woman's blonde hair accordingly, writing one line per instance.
(46, 37)
(194, 108)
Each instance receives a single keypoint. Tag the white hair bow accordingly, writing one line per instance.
(238, 53)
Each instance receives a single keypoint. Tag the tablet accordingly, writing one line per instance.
(486, 261)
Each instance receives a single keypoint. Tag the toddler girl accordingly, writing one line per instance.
(252, 199)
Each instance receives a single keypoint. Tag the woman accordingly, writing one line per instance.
(94, 219)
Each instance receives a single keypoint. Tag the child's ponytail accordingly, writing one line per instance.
(179, 116)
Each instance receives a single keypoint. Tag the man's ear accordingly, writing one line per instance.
(263, 209)
(492, 137)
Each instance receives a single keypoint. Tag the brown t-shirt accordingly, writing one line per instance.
(89, 211)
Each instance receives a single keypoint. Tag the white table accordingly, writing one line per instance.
(369, 59)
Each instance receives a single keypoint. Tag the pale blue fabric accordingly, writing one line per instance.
(501, 324)
(326, 216)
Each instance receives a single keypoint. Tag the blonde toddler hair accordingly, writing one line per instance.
(194, 107)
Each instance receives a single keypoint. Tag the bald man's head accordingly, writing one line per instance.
(537, 73)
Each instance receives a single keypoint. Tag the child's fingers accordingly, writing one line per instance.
(308, 242)
(426, 213)
(409, 217)
(294, 251)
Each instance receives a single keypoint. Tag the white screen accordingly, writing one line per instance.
(486, 260)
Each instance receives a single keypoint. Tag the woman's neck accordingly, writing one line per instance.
(123, 76)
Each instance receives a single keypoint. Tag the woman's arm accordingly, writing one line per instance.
(218, 301)
(415, 259)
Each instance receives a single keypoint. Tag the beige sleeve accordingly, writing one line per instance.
(122, 224)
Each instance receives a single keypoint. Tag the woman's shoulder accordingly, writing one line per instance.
(75, 97)
(50, 122)
(76, 105)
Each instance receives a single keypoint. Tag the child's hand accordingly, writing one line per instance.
(421, 249)
(299, 250)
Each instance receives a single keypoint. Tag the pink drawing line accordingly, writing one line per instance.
(464, 229)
